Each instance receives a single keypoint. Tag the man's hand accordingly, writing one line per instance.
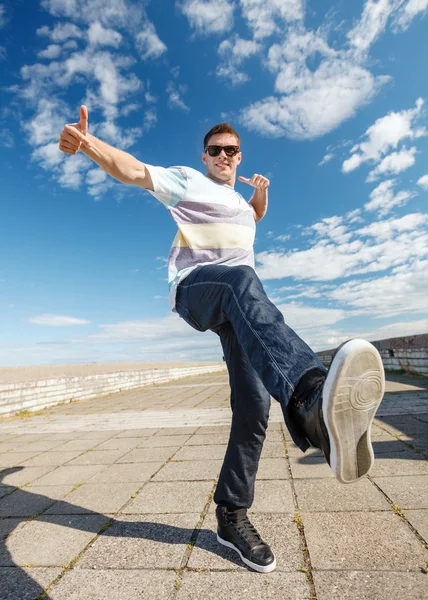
(74, 135)
(256, 181)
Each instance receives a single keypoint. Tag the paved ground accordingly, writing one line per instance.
(112, 498)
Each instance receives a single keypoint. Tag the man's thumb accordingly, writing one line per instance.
(83, 119)
(244, 179)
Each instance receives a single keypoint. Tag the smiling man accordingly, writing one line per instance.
(213, 285)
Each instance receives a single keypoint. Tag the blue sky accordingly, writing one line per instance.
(330, 99)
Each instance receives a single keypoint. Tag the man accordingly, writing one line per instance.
(213, 285)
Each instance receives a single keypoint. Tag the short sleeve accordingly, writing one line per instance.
(169, 185)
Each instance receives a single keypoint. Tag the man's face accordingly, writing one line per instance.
(222, 167)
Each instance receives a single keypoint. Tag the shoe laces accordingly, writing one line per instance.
(247, 530)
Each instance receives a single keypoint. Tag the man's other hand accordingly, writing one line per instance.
(74, 135)
(256, 181)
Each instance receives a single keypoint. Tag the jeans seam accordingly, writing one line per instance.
(248, 323)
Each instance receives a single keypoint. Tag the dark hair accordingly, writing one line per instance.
(220, 128)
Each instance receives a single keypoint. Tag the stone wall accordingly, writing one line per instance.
(31, 388)
(408, 353)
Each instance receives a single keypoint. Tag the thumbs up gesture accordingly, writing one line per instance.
(73, 136)
(256, 181)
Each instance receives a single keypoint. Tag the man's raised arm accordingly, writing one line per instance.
(120, 165)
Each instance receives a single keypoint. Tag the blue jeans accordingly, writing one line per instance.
(264, 358)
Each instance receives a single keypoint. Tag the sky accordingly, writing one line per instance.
(330, 100)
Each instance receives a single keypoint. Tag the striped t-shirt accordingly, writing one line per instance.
(215, 224)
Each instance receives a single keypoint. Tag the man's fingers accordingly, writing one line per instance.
(83, 119)
(75, 133)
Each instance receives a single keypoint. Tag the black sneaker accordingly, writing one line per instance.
(235, 531)
(336, 411)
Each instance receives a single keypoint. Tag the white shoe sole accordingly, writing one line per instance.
(352, 392)
(259, 568)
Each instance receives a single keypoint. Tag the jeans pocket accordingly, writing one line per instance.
(185, 314)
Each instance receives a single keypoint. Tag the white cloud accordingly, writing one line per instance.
(423, 181)
(99, 36)
(48, 156)
(52, 51)
(372, 23)
(57, 321)
(234, 52)
(409, 11)
(109, 12)
(61, 32)
(327, 157)
(73, 170)
(376, 247)
(150, 119)
(384, 135)
(174, 92)
(266, 17)
(148, 43)
(393, 163)
(323, 100)
(209, 16)
(382, 198)
(2, 16)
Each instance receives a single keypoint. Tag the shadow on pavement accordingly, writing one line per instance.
(17, 584)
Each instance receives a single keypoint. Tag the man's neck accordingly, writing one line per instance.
(230, 183)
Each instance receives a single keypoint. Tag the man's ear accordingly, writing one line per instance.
(204, 158)
(239, 157)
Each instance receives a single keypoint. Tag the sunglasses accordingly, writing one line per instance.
(216, 150)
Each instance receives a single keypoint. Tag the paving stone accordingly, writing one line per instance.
(171, 497)
(330, 495)
(65, 474)
(120, 444)
(177, 431)
(77, 444)
(406, 492)
(97, 436)
(51, 459)
(273, 496)
(29, 501)
(51, 540)
(273, 450)
(12, 459)
(25, 584)
(189, 470)
(274, 529)
(7, 526)
(362, 585)
(419, 520)
(137, 433)
(43, 446)
(273, 435)
(273, 468)
(113, 584)
(133, 542)
(127, 473)
(97, 457)
(362, 541)
(99, 497)
(18, 476)
(201, 452)
(209, 429)
(399, 463)
(160, 441)
(148, 455)
(386, 446)
(208, 439)
(242, 586)
(309, 465)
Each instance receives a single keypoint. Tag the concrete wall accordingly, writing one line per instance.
(29, 388)
(408, 353)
